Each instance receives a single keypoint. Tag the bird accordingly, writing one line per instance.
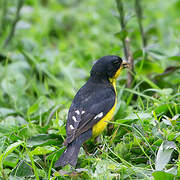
(92, 107)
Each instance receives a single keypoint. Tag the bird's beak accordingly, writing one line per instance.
(125, 64)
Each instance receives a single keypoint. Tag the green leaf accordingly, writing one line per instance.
(151, 83)
(4, 130)
(137, 54)
(178, 137)
(149, 67)
(104, 169)
(44, 140)
(33, 164)
(122, 34)
(161, 175)
(164, 154)
(174, 58)
(33, 109)
(121, 149)
(14, 84)
(10, 148)
(22, 170)
(5, 112)
(11, 160)
(161, 109)
(43, 150)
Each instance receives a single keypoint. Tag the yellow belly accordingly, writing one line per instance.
(101, 125)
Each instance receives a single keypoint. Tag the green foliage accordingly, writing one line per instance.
(48, 59)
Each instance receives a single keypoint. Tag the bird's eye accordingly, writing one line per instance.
(116, 62)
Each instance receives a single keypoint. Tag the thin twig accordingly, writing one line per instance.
(17, 17)
(126, 42)
(3, 16)
(139, 15)
(122, 23)
(131, 62)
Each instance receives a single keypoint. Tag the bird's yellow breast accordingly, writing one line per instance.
(101, 125)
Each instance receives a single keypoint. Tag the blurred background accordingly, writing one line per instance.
(47, 49)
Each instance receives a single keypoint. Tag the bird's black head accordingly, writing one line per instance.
(107, 67)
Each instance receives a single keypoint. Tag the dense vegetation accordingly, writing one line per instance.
(46, 51)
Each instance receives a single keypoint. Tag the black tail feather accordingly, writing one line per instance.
(70, 155)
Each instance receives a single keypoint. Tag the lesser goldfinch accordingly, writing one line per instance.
(92, 107)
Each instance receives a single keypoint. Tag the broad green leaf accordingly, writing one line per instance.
(122, 34)
(161, 109)
(121, 149)
(44, 140)
(14, 84)
(161, 175)
(11, 148)
(22, 170)
(104, 169)
(11, 160)
(138, 53)
(43, 150)
(174, 58)
(149, 67)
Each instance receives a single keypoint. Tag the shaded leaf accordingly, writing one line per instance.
(11, 160)
(44, 139)
(169, 70)
(22, 170)
(137, 54)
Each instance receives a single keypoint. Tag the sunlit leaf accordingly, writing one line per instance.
(9, 149)
(43, 150)
(161, 175)
(164, 154)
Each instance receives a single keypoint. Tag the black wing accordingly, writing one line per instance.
(91, 104)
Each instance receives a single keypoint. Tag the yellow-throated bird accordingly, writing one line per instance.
(92, 107)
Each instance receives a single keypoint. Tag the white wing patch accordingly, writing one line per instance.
(74, 118)
(99, 115)
(82, 112)
(77, 112)
(71, 126)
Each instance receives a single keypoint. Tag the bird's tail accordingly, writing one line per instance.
(70, 155)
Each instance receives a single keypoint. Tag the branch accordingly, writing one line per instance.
(131, 62)
(126, 42)
(3, 18)
(17, 17)
(139, 15)
(122, 23)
